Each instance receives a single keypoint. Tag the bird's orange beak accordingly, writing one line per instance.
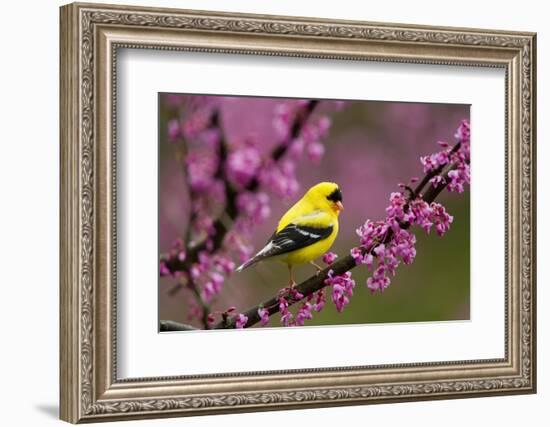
(339, 206)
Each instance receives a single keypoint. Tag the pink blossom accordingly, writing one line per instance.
(282, 119)
(294, 294)
(204, 261)
(243, 165)
(224, 264)
(194, 311)
(164, 270)
(201, 168)
(379, 280)
(239, 245)
(368, 260)
(310, 133)
(208, 291)
(403, 246)
(463, 132)
(421, 214)
(459, 177)
(264, 316)
(463, 153)
(211, 279)
(433, 161)
(254, 206)
(195, 271)
(380, 250)
(329, 258)
(204, 224)
(360, 258)
(286, 315)
(441, 219)
(280, 178)
(209, 138)
(371, 231)
(357, 255)
(211, 319)
(342, 288)
(173, 130)
(296, 148)
(396, 209)
(320, 300)
(304, 313)
(196, 122)
(241, 321)
(217, 280)
(437, 180)
(323, 125)
(315, 151)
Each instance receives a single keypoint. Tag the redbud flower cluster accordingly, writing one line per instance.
(313, 302)
(384, 245)
(459, 175)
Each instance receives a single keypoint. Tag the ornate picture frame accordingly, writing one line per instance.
(90, 37)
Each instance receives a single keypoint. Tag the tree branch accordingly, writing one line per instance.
(340, 266)
(170, 325)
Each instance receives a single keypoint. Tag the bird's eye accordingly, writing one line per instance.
(335, 196)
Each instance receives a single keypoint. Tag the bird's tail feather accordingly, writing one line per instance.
(248, 263)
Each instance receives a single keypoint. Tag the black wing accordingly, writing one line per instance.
(294, 237)
(289, 239)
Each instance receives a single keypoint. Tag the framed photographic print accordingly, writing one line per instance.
(266, 212)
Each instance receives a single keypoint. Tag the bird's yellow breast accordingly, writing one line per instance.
(309, 212)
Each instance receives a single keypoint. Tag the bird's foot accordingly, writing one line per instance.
(288, 289)
(318, 268)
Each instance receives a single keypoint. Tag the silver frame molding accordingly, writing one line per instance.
(90, 37)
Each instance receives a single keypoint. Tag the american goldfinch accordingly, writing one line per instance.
(306, 231)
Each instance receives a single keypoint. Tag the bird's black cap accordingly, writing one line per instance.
(335, 196)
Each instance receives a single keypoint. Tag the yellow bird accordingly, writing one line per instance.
(306, 231)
